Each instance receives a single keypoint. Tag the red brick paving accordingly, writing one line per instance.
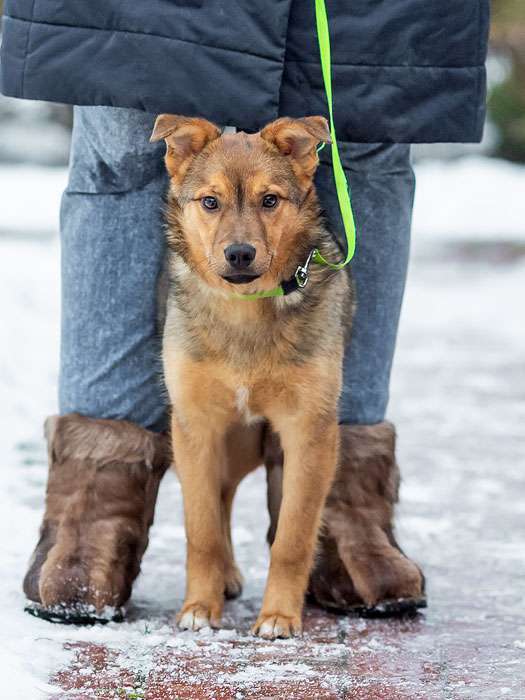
(337, 658)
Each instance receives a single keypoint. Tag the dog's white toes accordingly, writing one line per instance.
(268, 630)
(193, 620)
(277, 627)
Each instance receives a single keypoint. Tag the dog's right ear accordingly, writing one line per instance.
(297, 140)
(185, 137)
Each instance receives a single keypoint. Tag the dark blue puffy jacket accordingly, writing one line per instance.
(404, 70)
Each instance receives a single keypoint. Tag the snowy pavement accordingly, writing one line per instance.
(458, 399)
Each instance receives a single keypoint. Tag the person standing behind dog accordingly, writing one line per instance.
(404, 71)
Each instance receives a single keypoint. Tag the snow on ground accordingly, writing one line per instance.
(30, 200)
(458, 399)
(475, 197)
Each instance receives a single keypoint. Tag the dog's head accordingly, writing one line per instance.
(242, 204)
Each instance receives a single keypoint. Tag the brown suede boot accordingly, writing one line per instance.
(102, 487)
(360, 567)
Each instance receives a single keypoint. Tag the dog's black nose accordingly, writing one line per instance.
(240, 255)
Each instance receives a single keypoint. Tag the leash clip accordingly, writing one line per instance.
(301, 274)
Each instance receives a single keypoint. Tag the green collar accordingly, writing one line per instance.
(300, 278)
(297, 281)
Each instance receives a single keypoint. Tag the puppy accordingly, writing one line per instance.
(242, 217)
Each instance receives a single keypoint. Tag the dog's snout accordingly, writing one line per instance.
(240, 255)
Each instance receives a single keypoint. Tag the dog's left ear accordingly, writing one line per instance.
(298, 139)
(185, 137)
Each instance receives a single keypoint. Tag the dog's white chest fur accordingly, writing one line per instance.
(242, 398)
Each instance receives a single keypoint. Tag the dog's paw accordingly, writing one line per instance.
(233, 582)
(277, 626)
(195, 616)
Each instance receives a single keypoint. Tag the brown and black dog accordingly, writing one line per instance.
(242, 215)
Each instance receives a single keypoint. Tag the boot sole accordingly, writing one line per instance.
(394, 607)
(74, 615)
(399, 607)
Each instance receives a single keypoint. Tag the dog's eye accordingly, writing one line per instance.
(269, 201)
(210, 203)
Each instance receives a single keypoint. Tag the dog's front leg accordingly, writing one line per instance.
(310, 445)
(199, 452)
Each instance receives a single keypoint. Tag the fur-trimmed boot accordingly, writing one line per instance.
(360, 567)
(102, 487)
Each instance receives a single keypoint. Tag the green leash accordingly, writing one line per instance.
(341, 185)
(300, 278)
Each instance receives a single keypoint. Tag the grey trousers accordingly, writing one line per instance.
(112, 251)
